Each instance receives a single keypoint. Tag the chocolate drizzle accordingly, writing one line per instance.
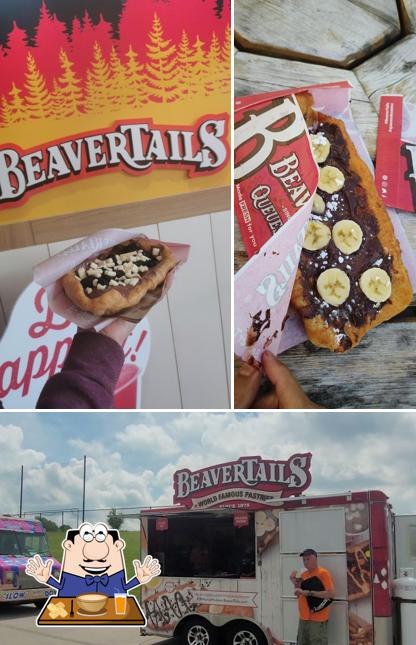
(258, 326)
(348, 203)
(131, 246)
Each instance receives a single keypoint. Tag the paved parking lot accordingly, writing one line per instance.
(17, 627)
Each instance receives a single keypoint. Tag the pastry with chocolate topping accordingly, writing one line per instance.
(120, 277)
(350, 276)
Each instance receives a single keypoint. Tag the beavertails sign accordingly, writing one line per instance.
(133, 147)
(128, 88)
(249, 482)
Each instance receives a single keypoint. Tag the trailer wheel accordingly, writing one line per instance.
(39, 604)
(245, 634)
(198, 631)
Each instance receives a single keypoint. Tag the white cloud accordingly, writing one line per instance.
(13, 456)
(52, 485)
(12, 453)
(351, 451)
(141, 438)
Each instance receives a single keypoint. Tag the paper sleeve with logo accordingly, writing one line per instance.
(396, 153)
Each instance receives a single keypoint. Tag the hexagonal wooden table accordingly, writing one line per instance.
(339, 32)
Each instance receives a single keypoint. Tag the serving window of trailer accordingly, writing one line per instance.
(203, 545)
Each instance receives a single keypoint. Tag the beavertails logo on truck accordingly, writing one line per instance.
(249, 482)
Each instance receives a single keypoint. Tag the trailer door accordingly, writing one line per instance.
(324, 531)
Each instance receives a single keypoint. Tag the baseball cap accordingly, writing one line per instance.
(308, 552)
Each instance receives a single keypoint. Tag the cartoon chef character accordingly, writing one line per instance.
(93, 561)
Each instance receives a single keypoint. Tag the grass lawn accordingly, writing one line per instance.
(131, 552)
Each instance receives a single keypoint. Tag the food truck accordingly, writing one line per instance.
(232, 538)
(21, 539)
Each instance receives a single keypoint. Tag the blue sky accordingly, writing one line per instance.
(132, 456)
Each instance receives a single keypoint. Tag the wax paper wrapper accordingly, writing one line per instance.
(274, 169)
(396, 152)
(49, 273)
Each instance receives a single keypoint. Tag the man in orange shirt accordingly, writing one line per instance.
(315, 592)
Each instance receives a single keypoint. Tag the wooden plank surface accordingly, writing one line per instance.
(392, 71)
(409, 224)
(255, 74)
(379, 373)
(53, 229)
(340, 32)
(408, 15)
(14, 236)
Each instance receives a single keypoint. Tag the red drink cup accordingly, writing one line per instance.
(125, 395)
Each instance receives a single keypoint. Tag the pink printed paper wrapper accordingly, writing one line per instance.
(270, 170)
(396, 152)
(48, 274)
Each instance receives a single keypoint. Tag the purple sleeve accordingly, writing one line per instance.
(52, 582)
(88, 376)
(134, 582)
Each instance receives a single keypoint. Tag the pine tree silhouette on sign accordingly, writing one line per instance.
(58, 101)
(17, 104)
(103, 35)
(200, 69)
(162, 68)
(98, 86)
(214, 79)
(226, 60)
(83, 40)
(76, 31)
(14, 64)
(219, 8)
(137, 89)
(6, 112)
(13, 111)
(69, 88)
(150, 57)
(131, 27)
(185, 65)
(118, 80)
(76, 46)
(50, 38)
(38, 99)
